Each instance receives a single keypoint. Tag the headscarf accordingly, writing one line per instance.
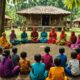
(53, 29)
(34, 29)
(73, 37)
(62, 34)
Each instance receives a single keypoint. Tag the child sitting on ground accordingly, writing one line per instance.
(38, 69)
(15, 56)
(6, 66)
(73, 68)
(57, 72)
(24, 63)
(62, 56)
(1, 52)
(47, 59)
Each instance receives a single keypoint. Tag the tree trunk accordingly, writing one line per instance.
(2, 15)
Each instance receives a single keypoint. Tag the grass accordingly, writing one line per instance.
(18, 33)
(32, 49)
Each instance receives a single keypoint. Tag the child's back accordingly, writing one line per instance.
(63, 57)
(57, 72)
(15, 59)
(24, 64)
(15, 56)
(74, 63)
(47, 59)
(73, 68)
(38, 69)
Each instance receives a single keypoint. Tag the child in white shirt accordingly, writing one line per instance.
(73, 68)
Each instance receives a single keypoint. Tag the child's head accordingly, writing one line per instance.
(61, 50)
(37, 57)
(23, 55)
(14, 50)
(73, 55)
(57, 61)
(6, 53)
(78, 50)
(47, 49)
(1, 50)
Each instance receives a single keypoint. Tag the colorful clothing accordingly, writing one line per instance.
(73, 40)
(78, 57)
(38, 71)
(63, 58)
(52, 36)
(73, 68)
(77, 45)
(24, 65)
(4, 43)
(56, 73)
(13, 39)
(62, 40)
(15, 59)
(24, 37)
(7, 68)
(43, 38)
(47, 59)
(34, 37)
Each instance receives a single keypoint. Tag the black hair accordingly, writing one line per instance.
(14, 50)
(61, 50)
(23, 55)
(6, 53)
(57, 61)
(78, 50)
(73, 55)
(47, 49)
(1, 49)
(37, 57)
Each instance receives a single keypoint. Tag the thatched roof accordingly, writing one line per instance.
(76, 20)
(7, 17)
(44, 10)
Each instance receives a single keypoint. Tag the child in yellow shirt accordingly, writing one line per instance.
(57, 72)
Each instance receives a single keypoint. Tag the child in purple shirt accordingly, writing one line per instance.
(6, 66)
(47, 59)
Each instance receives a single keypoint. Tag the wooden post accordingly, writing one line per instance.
(30, 21)
(41, 20)
(50, 20)
(2, 15)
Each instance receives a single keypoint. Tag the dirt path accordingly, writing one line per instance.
(33, 49)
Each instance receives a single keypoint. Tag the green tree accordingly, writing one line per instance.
(72, 5)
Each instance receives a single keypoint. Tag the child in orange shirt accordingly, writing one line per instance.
(24, 64)
(57, 72)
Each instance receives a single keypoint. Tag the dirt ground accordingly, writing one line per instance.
(38, 48)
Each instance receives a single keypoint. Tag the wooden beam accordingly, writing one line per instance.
(2, 15)
(41, 20)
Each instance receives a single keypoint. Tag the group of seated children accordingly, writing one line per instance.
(73, 42)
(43, 68)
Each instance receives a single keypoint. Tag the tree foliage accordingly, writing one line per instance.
(13, 6)
(72, 4)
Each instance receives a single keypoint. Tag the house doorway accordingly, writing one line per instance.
(45, 20)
